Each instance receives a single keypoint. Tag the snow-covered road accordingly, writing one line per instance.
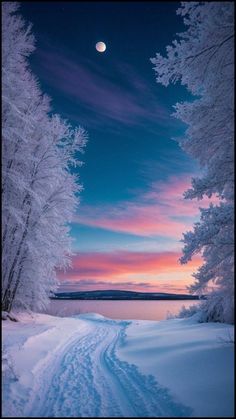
(89, 380)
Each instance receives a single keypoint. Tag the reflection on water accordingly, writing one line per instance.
(140, 310)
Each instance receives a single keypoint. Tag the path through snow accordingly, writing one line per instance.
(87, 379)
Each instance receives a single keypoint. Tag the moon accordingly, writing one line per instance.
(101, 46)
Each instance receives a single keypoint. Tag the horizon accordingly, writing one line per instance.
(121, 290)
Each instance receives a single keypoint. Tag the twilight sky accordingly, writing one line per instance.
(130, 221)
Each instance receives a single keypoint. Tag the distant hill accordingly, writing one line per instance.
(120, 295)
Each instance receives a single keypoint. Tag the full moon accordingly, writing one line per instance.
(100, 46)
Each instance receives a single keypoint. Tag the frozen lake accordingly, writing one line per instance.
(139, 309)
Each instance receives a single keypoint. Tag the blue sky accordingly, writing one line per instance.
(134, 173)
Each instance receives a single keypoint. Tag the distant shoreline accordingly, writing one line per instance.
(125, 299)
(117, 295)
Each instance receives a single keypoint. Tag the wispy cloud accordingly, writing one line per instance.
(170, 161)
(160, 211)
(116, 270)
(92, 284)
(96, 90)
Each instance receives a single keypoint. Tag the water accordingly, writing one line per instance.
(141, 310)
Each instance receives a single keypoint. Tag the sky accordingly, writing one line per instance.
(128, 226)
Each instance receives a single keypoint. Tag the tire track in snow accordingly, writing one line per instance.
(91, 381)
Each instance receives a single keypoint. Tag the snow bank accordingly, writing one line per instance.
(194, 360)
(27, 346)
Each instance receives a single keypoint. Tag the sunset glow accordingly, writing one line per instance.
(158, 215)
(129, 270)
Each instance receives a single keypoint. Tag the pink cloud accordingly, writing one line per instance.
(92, 284)
(131, 218)
(170, 195)
(161, 211)
(117, 270)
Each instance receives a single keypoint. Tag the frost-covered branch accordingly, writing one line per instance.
(203, 61)
(39, 191)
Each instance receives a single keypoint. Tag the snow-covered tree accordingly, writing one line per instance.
(202, 59)
(38, 188)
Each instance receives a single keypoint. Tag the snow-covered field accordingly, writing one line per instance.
(92, 366)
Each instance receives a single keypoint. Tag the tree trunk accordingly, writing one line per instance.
(8, 295)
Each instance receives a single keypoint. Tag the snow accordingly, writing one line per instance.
(192, 359)
(92, 366)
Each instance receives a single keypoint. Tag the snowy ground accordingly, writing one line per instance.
(91, 366)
